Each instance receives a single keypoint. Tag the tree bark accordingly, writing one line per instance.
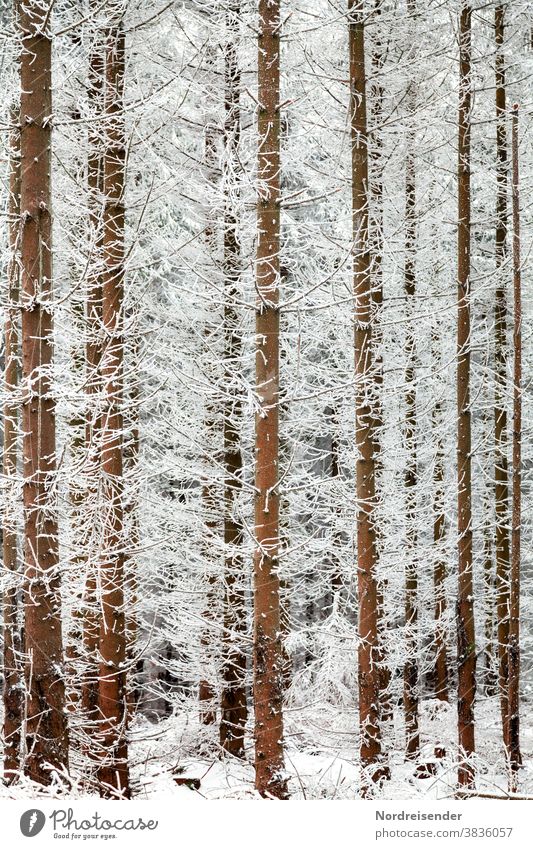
(410, 692)
(131, 466)
(46, 741)
(368, 654)
(514, 618)
(209, 639)
(93, 383)
(267, 649)
(440, 669)
(376, 166)
(113, 771)
(234, 706)
(501, 474)
(13, 679)
(466, 648)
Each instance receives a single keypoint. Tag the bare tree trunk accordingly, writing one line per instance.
(515, 758)
(268, 653)
(376, 166)
(131, 463)
(440, 669)
(500, 368)
(12, 692)
(466, 648)
(488, 673)
(337, 583)
(93, 385)
(207, 687)
(234, 707)
(46, 727)
(410, 692)
(369, 678)
(113, 771)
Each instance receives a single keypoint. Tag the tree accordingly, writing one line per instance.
(501, 490)
(376, 229)
(440, 652)
(93, 385)
(112, 706)
(46, 743)
(12, 692)
(515, 758)
(268, 655)
(207, 686)
(369, 679)
(411, 472)
(466, 642)
(234, 707)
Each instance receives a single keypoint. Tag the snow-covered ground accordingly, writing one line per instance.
(321, 758)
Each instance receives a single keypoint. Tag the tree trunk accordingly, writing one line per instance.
(131, 464)
(268, 654)
(93, 384)
(466, 648)
(514, 619)
(209, 639)
(368, 655)
(12, 692)
(440, 669)
(46, 730)
(410, 692)
(376, 166)
(234, 707)
(113, 771)
(500, 376)
(46, 727)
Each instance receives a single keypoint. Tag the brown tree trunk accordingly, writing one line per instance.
(93, 384)
(369, 678)
(46, 727)
(500, 368)
(376, 240)
(74, 663)
(488, 676)
(337, 583)
(233, 702)
(12, 692)
(113, 771)
(466, 648)
(514, 618)
(440, 669)
(410, 692)
(267, 649)
(131, 463)
(209, 639)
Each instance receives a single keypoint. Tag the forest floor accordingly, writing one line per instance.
(320, 754)
(321, 759)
